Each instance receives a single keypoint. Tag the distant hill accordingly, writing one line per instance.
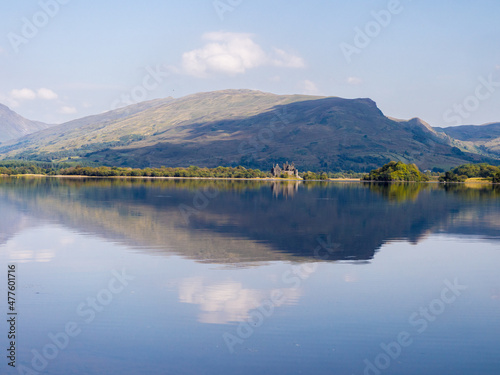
(14, 126)
(477, 138)
(249, 128)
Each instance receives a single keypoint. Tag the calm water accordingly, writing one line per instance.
(190, 277)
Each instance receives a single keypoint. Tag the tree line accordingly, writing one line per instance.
(463, 172)
(399, 171)
(65, 169)
(392, 171)
(22, 167)
(17, 167)
(192, 171)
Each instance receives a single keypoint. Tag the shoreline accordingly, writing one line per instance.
(471, 182)
(183, 178)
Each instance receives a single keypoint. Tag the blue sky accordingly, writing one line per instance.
(438, 60)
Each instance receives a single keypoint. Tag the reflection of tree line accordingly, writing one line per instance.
(473, 191)
(189, 184)
(398, 192)
(401, 192)
(276, 221)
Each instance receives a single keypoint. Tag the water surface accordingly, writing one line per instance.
(221, 277)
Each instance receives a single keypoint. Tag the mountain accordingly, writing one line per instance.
(14, 126)
(477, 138)
(249, 128)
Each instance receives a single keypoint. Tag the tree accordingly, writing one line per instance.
(496, 178)
(310, 176)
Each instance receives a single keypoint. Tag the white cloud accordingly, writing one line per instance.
(354, 81)
(23, 94)
(309, 87)
(284, 59)
(229, 53)
(67, 110)
(46, 94)
(233, 53)
(91, 86)
(29, 94)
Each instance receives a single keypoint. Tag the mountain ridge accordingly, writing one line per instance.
(483, 139)
(13, 125)
(249, 128)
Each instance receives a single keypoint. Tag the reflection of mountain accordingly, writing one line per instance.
(486, 221)
(12, 221)
(235, 222)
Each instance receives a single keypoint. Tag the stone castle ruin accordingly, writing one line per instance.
(288, 169)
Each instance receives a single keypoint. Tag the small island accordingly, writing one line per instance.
(396, 171)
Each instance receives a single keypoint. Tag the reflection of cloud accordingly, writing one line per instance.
(495, 293)
(67, 240)
(228, 301)
(44, 256)
(350, 278)
(26, 256)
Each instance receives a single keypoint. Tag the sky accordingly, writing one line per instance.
(438, 60)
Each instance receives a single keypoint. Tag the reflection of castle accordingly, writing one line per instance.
(287, 188)
(288, 170)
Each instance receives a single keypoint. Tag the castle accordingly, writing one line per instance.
(288, 169)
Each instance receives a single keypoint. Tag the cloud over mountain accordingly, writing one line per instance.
(234, 53)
